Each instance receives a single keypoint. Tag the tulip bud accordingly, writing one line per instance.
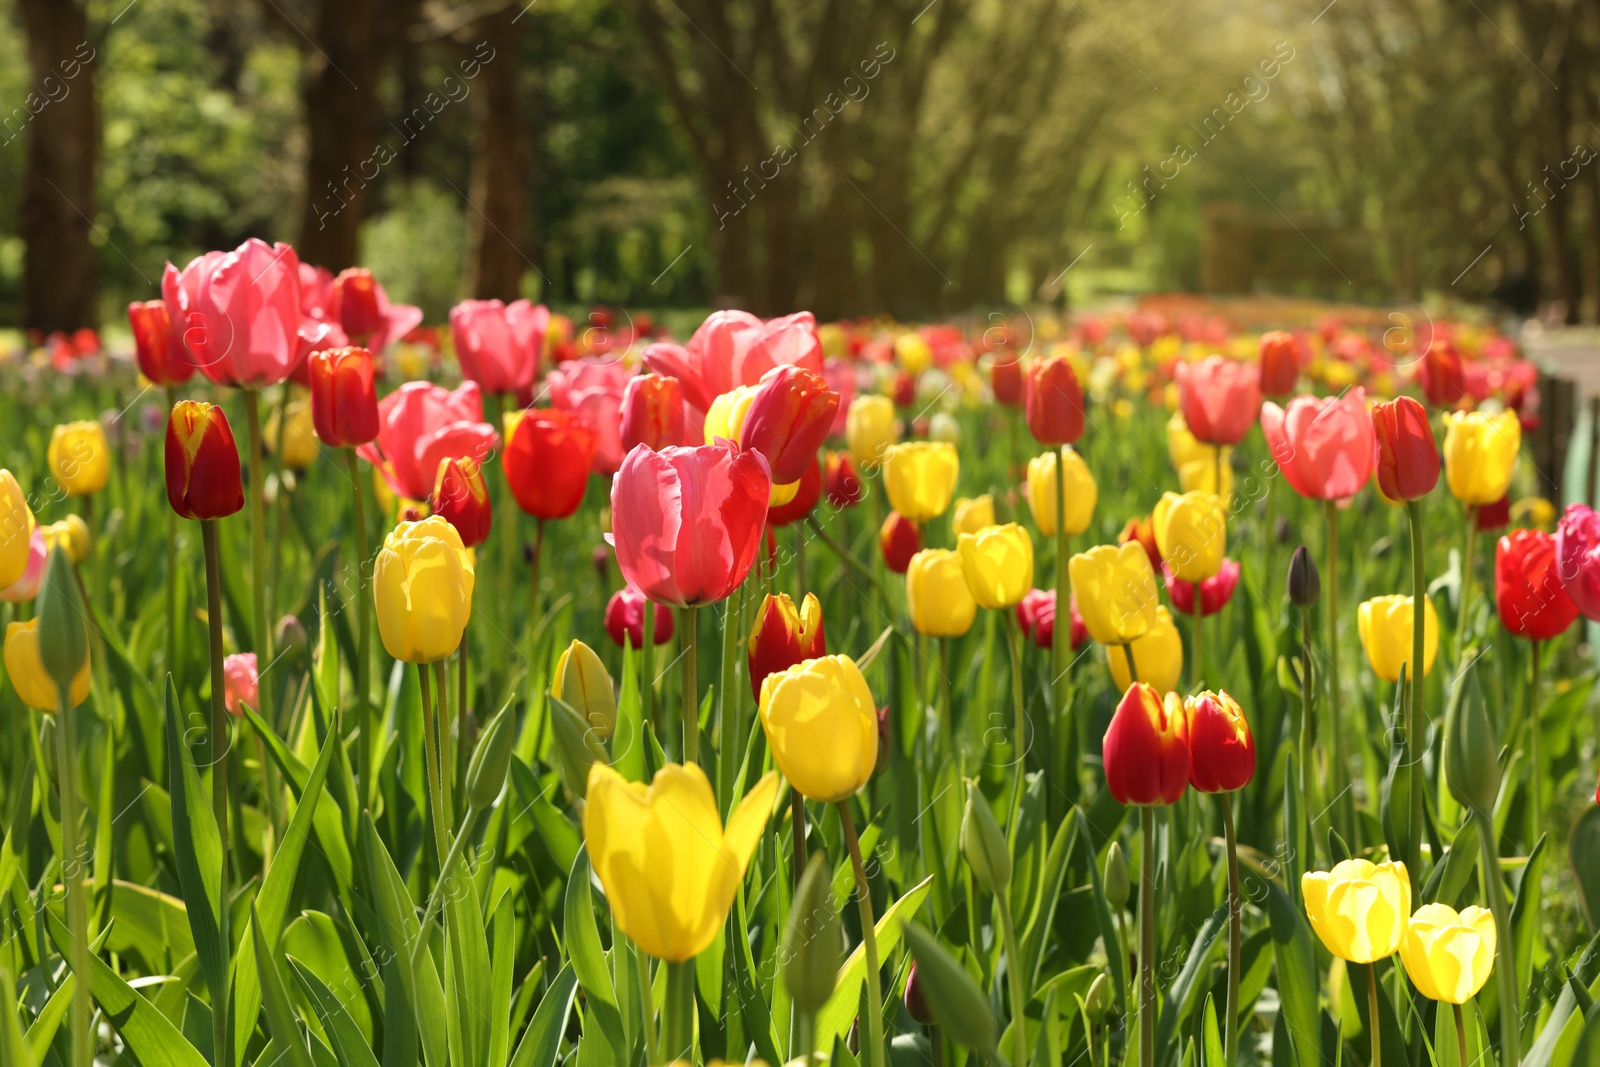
(1098, 1002)
(1116, 883)
(1053, 402)
(583, 682)
(486, 772)
(63, 633)
(957, 1004)
(813, 940)
(900, 541)
(1305, 586)
(984, 844)
(577, 747)
(1471, 753)
(344, 398)
(290, 637)
(1005, 378)
(915, 1001)
(202, 462)
(461, 495)
(355, 300)
(784, 636)
(844, 486)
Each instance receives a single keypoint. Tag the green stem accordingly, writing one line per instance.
(797, 829)
(1306, 726)
(1061, 648)
(441, 673)
(430, 756)
(1147, 937)
(258, 548)
(1536, 764)
(1372, 1015)
(677, 1042)
(506, 520)
(533, 593)
(1019, 771)
(366, 750)
(1461, 1036)
(1416, 676)
(217, 751)
(730, 736)
(873, 1046)
(436, 898)
(1338, 770)
(1198, 672)
(647, 1007)
(72, 874)
(647, 680)
(1505, 949)
(172, 569)
(1019, 995)
(1468, 564)
(948, 727)
(1230, 1035)
(689, 623)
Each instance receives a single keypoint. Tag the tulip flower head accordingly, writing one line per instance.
(1222, 751)
(624, 619)
(547, 460)
(1578, 557)
(422, 583)
(25, 668)
(900, 541)
(1146, 751)
(16, 529)
(844, 486)
(157, 347)
(584, 684)
(1528, 592)
(1141, 530)
(920, 478)
(1449, 956)
(1215, 591)
(822, 726)
(1305, 584)
(1192, 533)
(1440, 375)
(72, 535)
(1115, 588)
(669, 867)
(1280, 363)
(239, 313)
(344, 399)
(1324, 447)
(78, 457)
(241, 686)
(1198, 464)
(1158, 655)
(1385, 626)
(787, 418)
(461, 495)
(998, 565)
(202, 462)
(937, 596)
(290, 434)
(418, 425)
(1005, 379)
(870, 429)
(653, 412)
(1082, 493)
(499, 344)
(1408, 460)
(784, 636)
(26, 587)
(1220, 399)
(973, 514)
(1480, 454)
(1036, 614)
(1359, 909)
(1053, 402)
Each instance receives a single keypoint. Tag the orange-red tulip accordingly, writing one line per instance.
(845, 488)
(355, 299)
(1146, 749)
(784, 636)
(344, 399)
(652, 412)
(791, 413)
(461, 495)
(1222, 751)
(1528, 592)
(1005, 378)
(162, 357)
(1280, 363)
(1408, 458)
(1054, 402)
(547, 458)
(900, 541)
(202, 462)
(1220, 399)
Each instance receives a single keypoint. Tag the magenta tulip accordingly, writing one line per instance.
(1578, 558)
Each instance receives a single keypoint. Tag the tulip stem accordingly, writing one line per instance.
(436, 898)
(1019, 996)
(365, 751)
(218, 750)
(1468, 563)
(1372, 1015)
(1338, 770)
(1535, 764)
(647, 678)
(1416, 675)
(844, 555)
(1307, 707)
(171, 665)
(72, 875)
(869, 940)
(948, 727)
(501, 667)
(533, 594)
(678, 1039)
(1461, 1036)
(430, 755)
(258, 548)
(1147, 936)
(1505, 948)
(1061, 650)
(1196, 615)
(647, 1007)
(797, 819)
(1230, 1036)
(689, 624)
(441, 673)
(1133, 668)
(1019, 771)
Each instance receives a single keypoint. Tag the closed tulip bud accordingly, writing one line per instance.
(582, 681)
(920, 478)
(1305, 585)
(1146, 750)
(899, 540)
(822, 727)
(1098, 1002)
(998, 565)
(1158, 655)
(160, 352)
(28, 676)
(344, 397)
(624, 619)
(355, 302)
(1471, 753)
(1192, 533)
(1440, 374)
(1480, 454)
(983, 843)
(844, 485)
(1053, 402)
(916, 1001)
(1449, 956)
(547, 460)
(79, 458)
(869, 429)
(1082, 493)
(16, 530)
(63, 631)
(956, 1003)
(73, 536)
(486, 772)
(422, 584)
(578, 748)
(461, 496)
(1116, 883)
(784, 636)
(202, 462)
(937, 596)
(1222, 751)
(883, 741)
(813, 940)
(973, 514)
(290, 638)
(1359, 909)
(1385, 625)
(788, 417)
(653, 412)
(1280, 363)
(1115, 590)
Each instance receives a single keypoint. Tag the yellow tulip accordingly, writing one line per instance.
(920, 477)
(1192, 534)
(1385, 623)
(912, 352)
(422, 585)
(1359, 909)
(583, 682)
(72, 534)
(822, 726)
(937, 596)
(725, 418)
(973, 514)
(1448, 955)
(1196, 462)
(1082, 492)
(1158, 655)
(1116, 592)
(1533, 511)
(998, 564)
(26, 670)
(1480, 454)
(669, 868)
(16, 530)
(79, 459)
(292, 429)
(869, 429)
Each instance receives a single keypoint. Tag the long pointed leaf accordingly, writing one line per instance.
(197, 845)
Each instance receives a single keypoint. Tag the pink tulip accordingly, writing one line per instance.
(240, 683)
(239, 312)
(1324, 447)
(675, 361)
(591, 388)
(27, 587)
(719, 346)
(1578, 557)
(841, 377)
(1220, 398)
(687, 522)
(653, 412)
(499, 345)
(420, 424)
(789, 341)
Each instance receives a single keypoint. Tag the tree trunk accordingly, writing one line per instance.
(498, 255)
(59, 272)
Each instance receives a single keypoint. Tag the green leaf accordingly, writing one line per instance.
(347, 1041)
(1179, 996)
(314, 939)
(587, 956)
(197, 848)
(627, 740)
(327, 818)
(413, 1004)
(1583, 848)
(49, 1020)
(468, 969)
(836, 1015)
(1299, 989)
(12, 1042)
(503, 937)
(1037, 936)
(541, 1043)
(1212, 1054)
(1117, 960)
(281, 1022)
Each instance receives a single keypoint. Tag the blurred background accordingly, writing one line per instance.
(854, 157)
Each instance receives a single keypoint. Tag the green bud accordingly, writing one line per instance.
(577, 747)
(1098, 1002)
(1471, 753)
(958, 1005)
(813, 941)
(984, 844)
(583, 682)
(486, 773)
(63, 623)
(1115, 880)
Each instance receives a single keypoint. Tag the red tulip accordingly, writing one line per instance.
(1220, 399)
(547, 459)
(1036, 614)
(1005, 378)
(805, 499)
(239, 312)
(355, 297)
(1528, 592)
(1053, 402)
(344, 400)
(1496, 516)
(1280, 363)
(1324, 446)
(900, 541)
(202, 462)
(356, 303)
(1215, 591)
(687, 522)
(418, 425)
(461, 495)
(1146, 749)
(845, 488)
(499, 344)
(652, 412)
(784, 636)
(1408, 459)
(1440, 372)
(903, 391)
(1142, 528)
(160, 351)
(789, 416)
(625, 619)
(1222, 751)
